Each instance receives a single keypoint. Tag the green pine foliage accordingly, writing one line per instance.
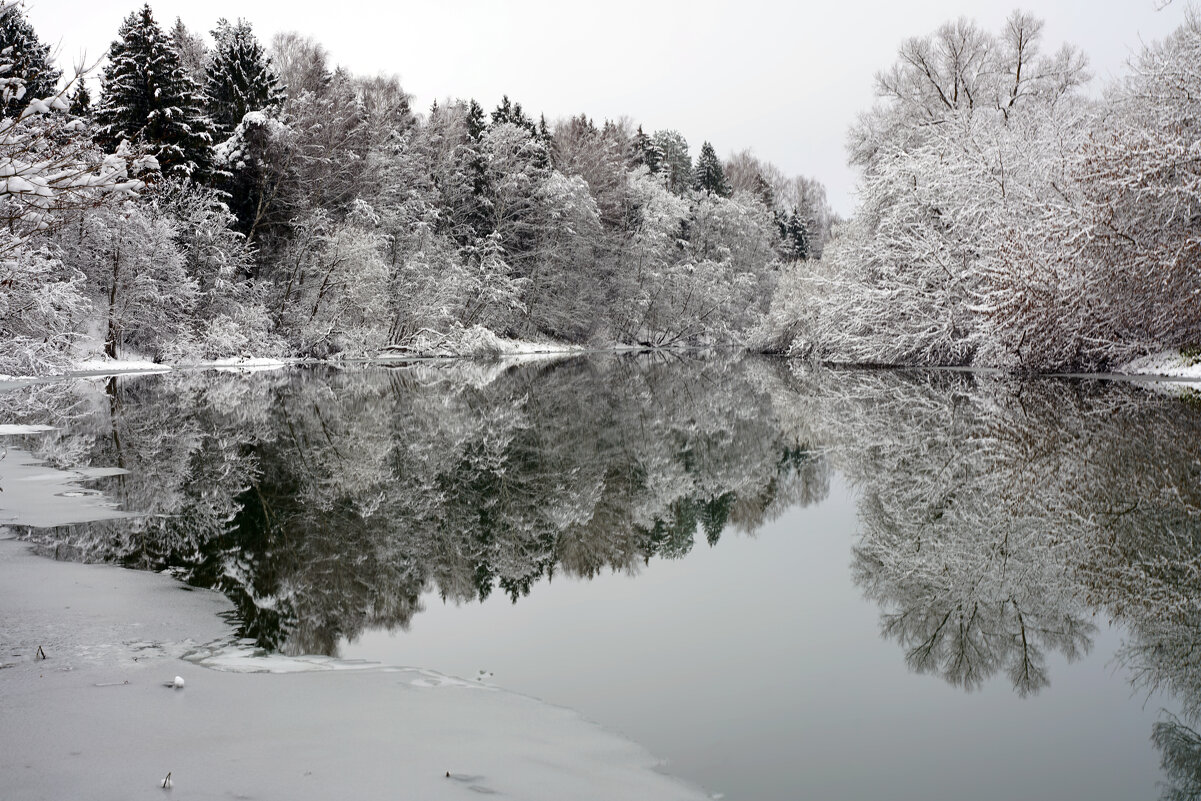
(29, 58)
(149, 100)
(239, 77)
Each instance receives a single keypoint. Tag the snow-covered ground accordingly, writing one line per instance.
(1169, 363)
(98, 717)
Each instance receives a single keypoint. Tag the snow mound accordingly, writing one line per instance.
(116, 366)
(1170, 363)
(245, 364)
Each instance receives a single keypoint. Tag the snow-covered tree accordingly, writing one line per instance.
(238, 77)
(969, 138)
(51, 170)
(149, 100)
(708, 175)
(301, 63)
(676, 163)
(138, 274)
(644, 152)
(193, 52)
(255, 168)
(81, 101)
(29, 58)
(331, 296)
(229, 317)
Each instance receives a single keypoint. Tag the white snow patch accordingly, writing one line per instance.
(12, 429)
(245, 364)
(1169, 363)
(475, 342)
(117, 366)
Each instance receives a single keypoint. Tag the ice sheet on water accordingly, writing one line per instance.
(37, 495)
(107, 727)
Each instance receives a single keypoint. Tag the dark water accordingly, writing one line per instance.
(787, 584)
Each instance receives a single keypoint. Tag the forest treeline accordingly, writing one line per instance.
(233, 198)
(229, 198)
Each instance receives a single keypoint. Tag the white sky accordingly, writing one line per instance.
(784, 79)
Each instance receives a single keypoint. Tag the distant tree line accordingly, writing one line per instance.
(283, 206)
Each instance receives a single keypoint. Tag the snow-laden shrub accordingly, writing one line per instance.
(42, 304)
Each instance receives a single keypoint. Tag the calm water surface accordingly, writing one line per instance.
(786, 584)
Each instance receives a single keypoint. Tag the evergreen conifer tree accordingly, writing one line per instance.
(476, 125)
(795, 238)
(148, 99)
(476, 168)
(239, 78)
(645, 152)
(512, 112)
(30, 59)
(81, 101)
(709, 176)
(675, 164)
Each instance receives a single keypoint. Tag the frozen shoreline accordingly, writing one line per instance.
(1168, 367)
(95, 720)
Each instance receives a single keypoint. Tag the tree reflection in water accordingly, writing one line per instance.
(324, 502)
(997, 516)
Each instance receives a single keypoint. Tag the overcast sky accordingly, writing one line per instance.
(784, 79)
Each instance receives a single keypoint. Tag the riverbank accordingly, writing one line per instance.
(95, 718)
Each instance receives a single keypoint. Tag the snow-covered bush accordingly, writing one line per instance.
(332, 294)
(42, 305)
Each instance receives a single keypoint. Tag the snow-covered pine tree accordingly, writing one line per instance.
(148, 99)
(644, 152)
(476, 168)
(794, 245)
(708, 176)
(239, 77)
(30, 59)
(81, 101)
(509, 111)
(675, 164)
(193, 52)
